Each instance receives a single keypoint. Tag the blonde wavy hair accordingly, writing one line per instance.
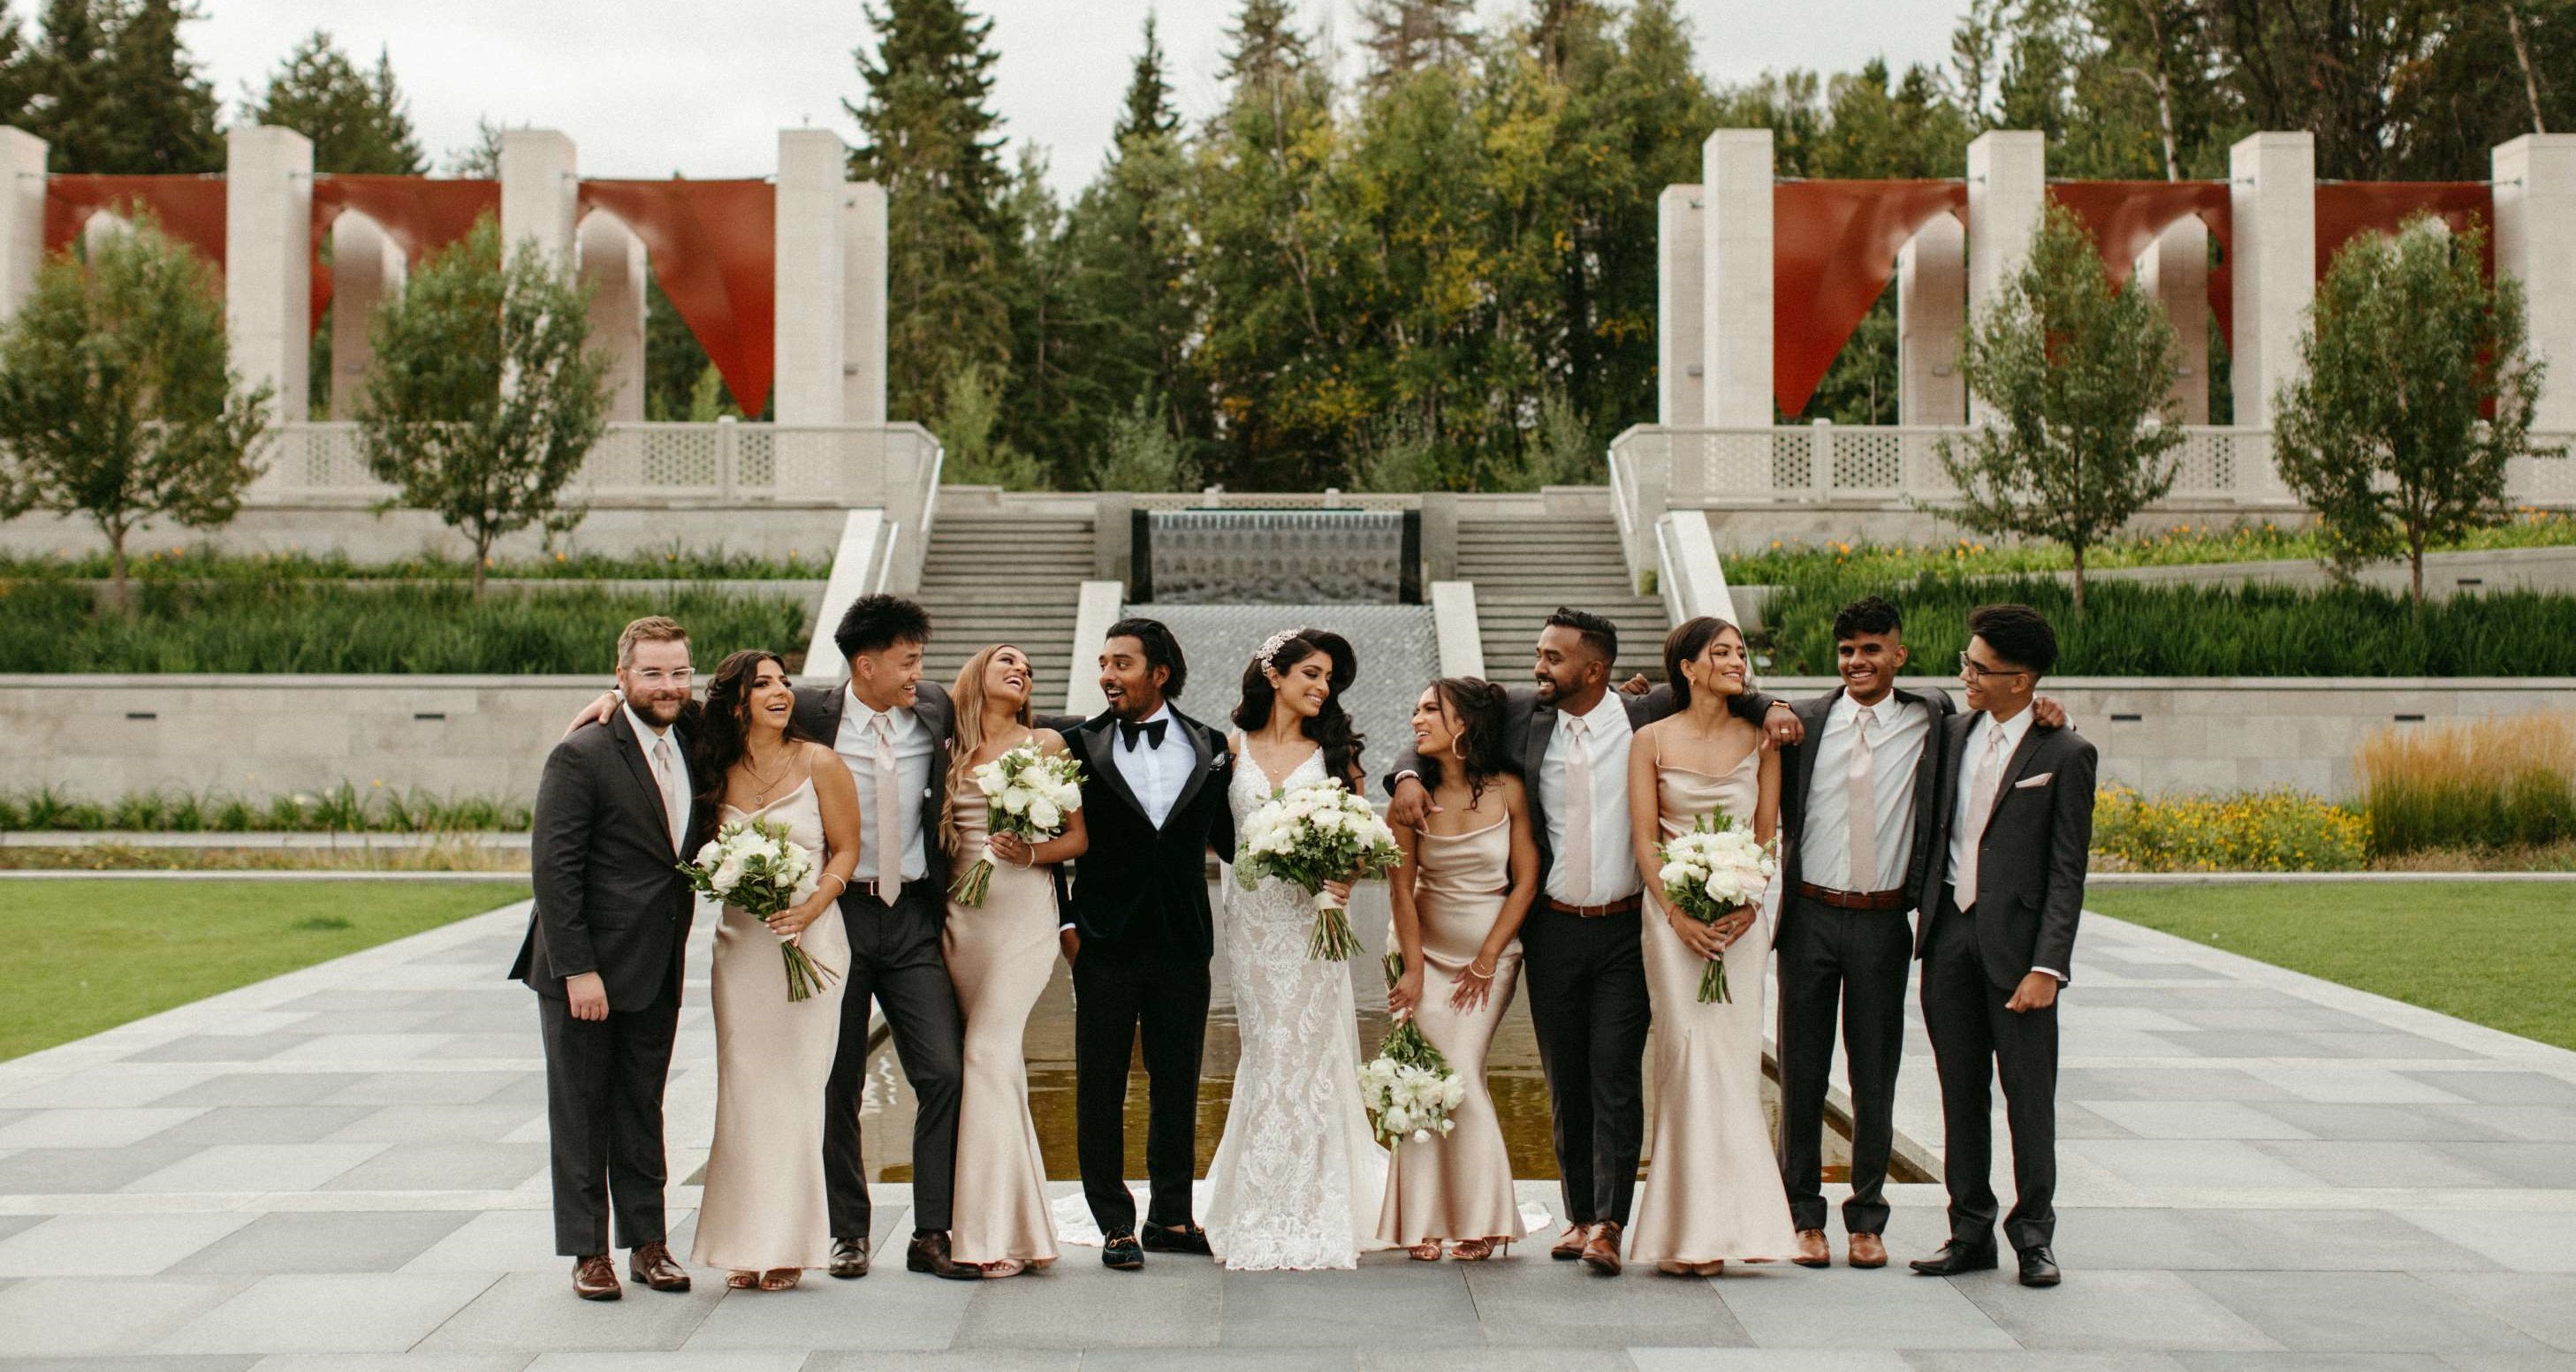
(966, 695)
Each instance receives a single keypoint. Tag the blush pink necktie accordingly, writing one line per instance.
(1981, 806)
(1860, 785)
(1577, 856)
(889, 811)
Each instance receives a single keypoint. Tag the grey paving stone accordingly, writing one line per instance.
(345, 1048)
(2232, 1043)
(2054, 1360)
(1768, 1359)
(2361, 1312)
(2145, 1239)
(220, 1362)
(1273, 1309)
(502, 1241)
(2340, 1240)
(2368, 1165)
(92, 1127)
(1532, 1300)
(529, 1089)
(2110, 1310)
(2508, 1362)
(888, 1309)
(537, 1312)
(2194, 1119)
(86, 1317)
(223, 1048)
(393, 1362)
(1845, 1308)
(2389, 1044)
(326, 1242)
(2310, 1362)
(1175, 1303)
(59, 1171)
(361, 999)
(263, 1124)
(336, 1313)
(1293, 1359)
(2524, 1123)
(520, 1044)
(2273, 1019)
(2542, 1305)
(2171, 999)
(431, 1088)
(264, 1088)
(2165, 1083)
(2523, 1240)
(436, 1123)
(112, 1245)
(2352, 1085)
(2377, 1123)
(444, 1167)
(2502, 1088)
(11, 1224)
(997, 1359)
(765, 1360)
(237, 1167)
(2188, 1162)
(1500, 1359)
(2085, 1122)
(519, 1016)
(2542, 1166)
(112, 1088)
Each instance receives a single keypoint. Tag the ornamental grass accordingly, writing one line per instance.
(2506, 782)
(2255, 831)
(346, 808)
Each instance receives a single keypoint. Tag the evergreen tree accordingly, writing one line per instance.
(1404, 36)
(14, 56)
(159, 110)
(357, 120)
(65, 82)
(1147, 112)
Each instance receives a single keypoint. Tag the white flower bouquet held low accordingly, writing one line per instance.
(754, 868)
(1408, 1087)
(1027, 794)
(1712, 871)
(1312, 835)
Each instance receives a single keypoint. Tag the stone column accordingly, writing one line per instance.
(612, 265)
(1931, 313)
(2175, 270)
(2535, 242)
(268, 263)
(2272, 201)
(1735, 309)
(540, 193)
(1680, 302)
(2007, 187)
(22, 217)
(367, 269)
(810, 328)
(863, 305)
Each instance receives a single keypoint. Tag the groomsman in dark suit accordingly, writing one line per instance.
(1997, 940)
(615, 813)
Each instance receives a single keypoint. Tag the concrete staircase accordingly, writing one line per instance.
(1006, 578)
(1525, 568)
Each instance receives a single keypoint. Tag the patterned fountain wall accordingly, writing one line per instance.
(1277, 557)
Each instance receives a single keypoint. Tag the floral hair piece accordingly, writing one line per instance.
(1270, 646)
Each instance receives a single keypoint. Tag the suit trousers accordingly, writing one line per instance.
(1976, 1041)
(896, 962)
(1588, 1007)
(1116, 993)
(604, 1081)
(1854, 962)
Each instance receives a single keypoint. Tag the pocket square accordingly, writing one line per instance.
(2028, 783)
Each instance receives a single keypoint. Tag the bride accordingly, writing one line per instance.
(1296, 1179)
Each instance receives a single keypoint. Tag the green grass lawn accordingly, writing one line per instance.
(2500, 953)
(89, 955)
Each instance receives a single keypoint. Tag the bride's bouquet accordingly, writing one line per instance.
(756, 869)
(1711, 871)
(1026, 793)
(1408, 1086)
(1312, 835)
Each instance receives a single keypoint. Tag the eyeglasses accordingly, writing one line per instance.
(1976, 672)
(656, 677)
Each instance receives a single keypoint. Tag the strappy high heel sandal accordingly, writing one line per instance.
(781, 1278)
(1473, 1250)
(742, 1281)
(1006, 1267)
(1676, 1269)
(1425, 1252)
(1711, 1269)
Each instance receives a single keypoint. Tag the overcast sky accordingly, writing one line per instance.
(652, 87)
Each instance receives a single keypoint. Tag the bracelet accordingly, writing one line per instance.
(845, 881)
(1480, 976)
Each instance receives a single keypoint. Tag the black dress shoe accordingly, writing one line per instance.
(929, 1253)
(2038, 1266)
(849, 1258)
(1178, 1238)
(1956, 1257)
(1119, 1250)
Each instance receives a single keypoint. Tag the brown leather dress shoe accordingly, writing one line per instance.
(929, 1253)
(1602, 1253)
(1812, 1249)
(652, 1264)
(1569, 1245)
(594, 1278)
(849, 1258)
(1867, 1250)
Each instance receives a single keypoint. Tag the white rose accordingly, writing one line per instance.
(1422, 1136)
(726, 874)
(1453, 1092)
(1044, 816)
(1394, 1120)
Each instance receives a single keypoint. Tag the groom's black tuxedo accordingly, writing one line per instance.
(1140, 887)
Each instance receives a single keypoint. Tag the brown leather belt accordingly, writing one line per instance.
(1853, 900)
(1627, 906)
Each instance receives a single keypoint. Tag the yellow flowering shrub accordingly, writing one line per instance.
(2253, 831)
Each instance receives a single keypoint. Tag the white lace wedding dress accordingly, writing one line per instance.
(1297, 1178)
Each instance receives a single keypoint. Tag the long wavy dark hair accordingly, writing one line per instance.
(1331, 727)
(1688, 640)
(722, 726)
(1477, 705)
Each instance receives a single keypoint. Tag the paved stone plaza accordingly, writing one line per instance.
(344, 1169)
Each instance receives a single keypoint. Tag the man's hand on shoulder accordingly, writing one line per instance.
(599, 711)
(2047, 713)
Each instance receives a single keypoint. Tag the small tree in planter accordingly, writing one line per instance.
(118, 401)
(484, 398)
(2076, 381)
(2382, 433)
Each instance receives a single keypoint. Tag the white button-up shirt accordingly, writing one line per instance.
(676, 787)
(1614, 865)
(857, 745)
(1156, 772)
(1897, 734)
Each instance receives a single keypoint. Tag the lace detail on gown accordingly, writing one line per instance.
(1298, 1176)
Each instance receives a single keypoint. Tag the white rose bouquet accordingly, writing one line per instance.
(1027, 794)
(1713, 870)
(756, 869)
(1409, 1087)
(1312, 835)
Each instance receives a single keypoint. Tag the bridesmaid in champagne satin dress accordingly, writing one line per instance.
(1000, 955)
(762, 1215)
(1712, 1189)
(1469, 875)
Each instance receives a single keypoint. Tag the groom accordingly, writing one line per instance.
(1139, 934)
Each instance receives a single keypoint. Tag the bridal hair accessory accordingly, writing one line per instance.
(1270, 646)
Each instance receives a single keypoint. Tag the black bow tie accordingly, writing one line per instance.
(1128, 730)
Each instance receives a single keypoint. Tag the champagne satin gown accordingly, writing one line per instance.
(763, 1205)
(1000, 955)
(1712, 1191)
(1459, 1187)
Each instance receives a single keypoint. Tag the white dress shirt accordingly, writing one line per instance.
(1156, 772)
(856, 743)
(1897, 734)
(1971, 758)
(1614, 864)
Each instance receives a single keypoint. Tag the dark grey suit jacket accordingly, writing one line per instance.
(1797, 772)
(2031, 859)
(818, 717)
(610, 897)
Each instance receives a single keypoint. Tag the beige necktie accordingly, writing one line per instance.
(1860, 785)
(889, 810)
(1577, 856)
(666, 772)
(1981, 805)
